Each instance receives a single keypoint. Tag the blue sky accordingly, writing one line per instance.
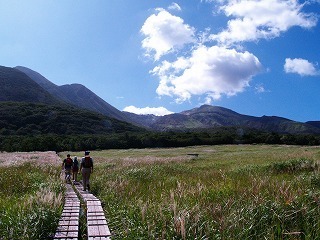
(256, 57)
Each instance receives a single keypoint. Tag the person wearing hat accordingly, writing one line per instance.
(86, 168)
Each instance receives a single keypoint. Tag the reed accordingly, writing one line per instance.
(228, 192)
(31, 197)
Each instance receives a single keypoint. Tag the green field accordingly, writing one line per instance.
(227, 192)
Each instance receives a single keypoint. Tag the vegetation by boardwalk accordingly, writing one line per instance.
(31, 195)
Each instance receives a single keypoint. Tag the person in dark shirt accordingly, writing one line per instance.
(67, 166)
(75, 168)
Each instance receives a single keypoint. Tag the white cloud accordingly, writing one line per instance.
(259, 88)
(174, 6)
(159, 111)
(164, 33)
(213, 71)
(300, 66)
(261, 19)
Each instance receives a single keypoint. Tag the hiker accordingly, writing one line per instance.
(75, 168)
(67, 165)
(86, 168)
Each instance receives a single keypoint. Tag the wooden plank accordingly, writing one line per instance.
(71, 203)
(70, 214)
(72, 210)
(68, 222)
(68, 228)
(62, 238)
(94, 208)
(66, 235)
(95, 218)
(97, 222)
(94, 203)
(98, 231)
(99, 238)
(69, 218)
(95, 215)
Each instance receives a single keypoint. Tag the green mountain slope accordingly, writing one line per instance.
(19, 118)
(17, 86)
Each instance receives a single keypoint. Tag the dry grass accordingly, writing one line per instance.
(31, 195)
(19, 158)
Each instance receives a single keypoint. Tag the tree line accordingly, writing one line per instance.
(125, 140)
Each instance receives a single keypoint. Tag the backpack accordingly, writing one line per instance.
(87, 163)
(68, 162)
(75, 163)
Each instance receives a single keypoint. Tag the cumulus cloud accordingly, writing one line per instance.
(158, 111)
(259, 19)
(164, 33)
(300, 66)
(174, 6)
(213, 71)
(212, 65)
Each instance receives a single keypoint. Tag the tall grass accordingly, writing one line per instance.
(228, 192)
(30, 201)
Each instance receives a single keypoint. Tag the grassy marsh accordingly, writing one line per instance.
(228, 192)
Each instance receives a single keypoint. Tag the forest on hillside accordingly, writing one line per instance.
(29, 119)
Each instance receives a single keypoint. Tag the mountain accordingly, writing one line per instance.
(77, 95)
(314, 123)
(197, 119)
(26, 108)
(142, 120)
(208, 117)
(17, 86)
(21, 118)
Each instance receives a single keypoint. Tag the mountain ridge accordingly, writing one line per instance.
(200, 118)
(17, 86)
(76, 94)
(208, 116)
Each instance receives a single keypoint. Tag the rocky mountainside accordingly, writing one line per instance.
(208, 117)
(77, 95)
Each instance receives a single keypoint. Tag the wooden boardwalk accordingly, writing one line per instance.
(97, 227)
(68, 227)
